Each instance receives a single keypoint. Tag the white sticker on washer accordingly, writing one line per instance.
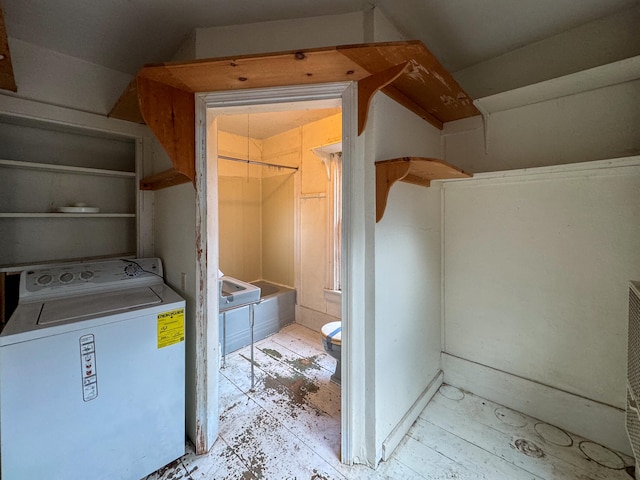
(88, 366)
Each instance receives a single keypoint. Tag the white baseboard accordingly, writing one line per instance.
(595, 421)
(398, 433)
(312, 318)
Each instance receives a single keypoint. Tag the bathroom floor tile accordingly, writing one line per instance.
(288, 427)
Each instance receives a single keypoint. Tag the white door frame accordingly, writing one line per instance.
(358, 415)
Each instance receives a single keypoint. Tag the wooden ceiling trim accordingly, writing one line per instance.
(291, 68)
(426, 88)
(163, 95)
(7, 78)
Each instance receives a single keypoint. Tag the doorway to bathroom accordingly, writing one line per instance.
(216, 178)
(280, 228)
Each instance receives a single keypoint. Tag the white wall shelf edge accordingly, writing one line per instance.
(66, 215)
(65, 168)
(598, 77)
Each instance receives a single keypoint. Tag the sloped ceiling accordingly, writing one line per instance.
(126, 34)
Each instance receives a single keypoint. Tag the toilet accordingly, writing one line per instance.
(332, 342)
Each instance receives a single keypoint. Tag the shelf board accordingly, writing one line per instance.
(65, 169)
(165, 179)
(66, 215)
(162, 95)
(415, 170)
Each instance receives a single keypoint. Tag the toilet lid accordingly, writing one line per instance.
(333, 331)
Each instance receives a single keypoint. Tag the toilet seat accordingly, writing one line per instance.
(333, 332)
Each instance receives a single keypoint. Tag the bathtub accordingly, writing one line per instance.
(275, 310)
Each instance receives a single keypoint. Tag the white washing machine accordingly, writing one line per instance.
(92, 367)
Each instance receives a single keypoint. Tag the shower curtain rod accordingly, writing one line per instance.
(253, 162)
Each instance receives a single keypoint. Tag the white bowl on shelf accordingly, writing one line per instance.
(78, 208)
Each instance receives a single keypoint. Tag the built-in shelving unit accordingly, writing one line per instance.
(66, 215)
(45, 166)
(415, 170)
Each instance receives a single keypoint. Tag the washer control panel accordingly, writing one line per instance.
(64, 279)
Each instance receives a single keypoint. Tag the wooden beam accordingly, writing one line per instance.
(7, 79)
(170, 114)
(368, 86)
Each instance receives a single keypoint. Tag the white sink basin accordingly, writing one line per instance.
(234, 293)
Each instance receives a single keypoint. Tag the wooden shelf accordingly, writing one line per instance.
(165, 179)
(48, 167)
(66, 215)
(415, 170)
(162, 95)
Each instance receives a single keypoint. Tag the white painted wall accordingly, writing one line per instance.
(407, 271)
(301, 33)
(536, 277)
(599, 42)
(281, 35)
(51, 77)
(537, 263)
(175, 244)
(593, 125)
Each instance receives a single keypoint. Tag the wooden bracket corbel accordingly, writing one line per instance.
(7, 79)
(415, 170)
(170, 114)
(368, 86)
(387, 173)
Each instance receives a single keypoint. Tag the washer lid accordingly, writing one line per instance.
(75, 308)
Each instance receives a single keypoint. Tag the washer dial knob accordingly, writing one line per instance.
(66, 277)
(44, 279)
(86, 275)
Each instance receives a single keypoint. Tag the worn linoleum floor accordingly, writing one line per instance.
(289, 428)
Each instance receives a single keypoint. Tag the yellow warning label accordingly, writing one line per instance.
(170, 327)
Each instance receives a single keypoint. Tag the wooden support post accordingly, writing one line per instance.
(368, 86)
